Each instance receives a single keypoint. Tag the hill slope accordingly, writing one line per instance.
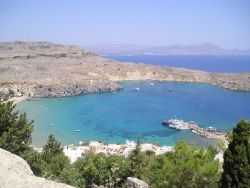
(42, 69)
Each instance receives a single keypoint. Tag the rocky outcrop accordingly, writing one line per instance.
(136, 183)
(16, 173)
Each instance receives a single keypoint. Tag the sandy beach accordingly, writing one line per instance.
(73, 152)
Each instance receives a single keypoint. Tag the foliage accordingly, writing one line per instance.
(229, 136)
(188, 166)
(34, 159)
(56, 165)
(15, 130)
(137, 162)
(15, 136)
(236, 167)
(51, 149)
(221, 145)
(110, 171)
(72, 177)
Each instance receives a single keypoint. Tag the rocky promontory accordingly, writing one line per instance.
(42, 69)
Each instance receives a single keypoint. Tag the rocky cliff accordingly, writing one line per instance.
(42, 69)
(16, 173)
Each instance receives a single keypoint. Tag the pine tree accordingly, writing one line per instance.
(137, 162)
(236, 167)
(51, 149)
(15, 129)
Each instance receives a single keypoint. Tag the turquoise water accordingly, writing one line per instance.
(129, 114)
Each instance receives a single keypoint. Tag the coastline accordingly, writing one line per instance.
(60, 70)
(118, 87)
(75, 151)
(17, 100)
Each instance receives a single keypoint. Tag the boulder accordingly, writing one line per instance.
(16, 173)
(136, 183)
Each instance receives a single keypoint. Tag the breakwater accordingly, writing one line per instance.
(209, 132)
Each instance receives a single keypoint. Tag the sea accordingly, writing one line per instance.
(209, 63)
(115, 117)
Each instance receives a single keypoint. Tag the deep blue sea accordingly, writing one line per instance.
(129, 114)
(210, 63)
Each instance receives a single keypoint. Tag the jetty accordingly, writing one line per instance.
(209, 132)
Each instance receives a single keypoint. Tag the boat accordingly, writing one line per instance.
(137, 89)
(170, 90)
(177, 124)
(209, 132)
(151, 84)
(211, 129)
(77, 130)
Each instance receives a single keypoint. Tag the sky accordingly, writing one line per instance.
(141, 22)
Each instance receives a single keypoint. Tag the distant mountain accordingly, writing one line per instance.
(199, 49)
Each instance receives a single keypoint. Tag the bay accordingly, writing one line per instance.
(129, 114)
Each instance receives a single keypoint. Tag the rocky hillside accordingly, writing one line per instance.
(43, 69)
(32, 50)
(16, 173)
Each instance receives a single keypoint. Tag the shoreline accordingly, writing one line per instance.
(18, 99)
(60, 70)
(73, 152)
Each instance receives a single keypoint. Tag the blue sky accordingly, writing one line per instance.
(149, 22)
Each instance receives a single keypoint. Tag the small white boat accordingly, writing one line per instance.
(77, 130)
(137, 89)
(176, 124)
(151, 84)
(211, 129)
(170, 89)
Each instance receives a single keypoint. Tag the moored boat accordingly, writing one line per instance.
(209, 132)
(177, 124)
(211, 129)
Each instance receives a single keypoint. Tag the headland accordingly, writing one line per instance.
(43, 69)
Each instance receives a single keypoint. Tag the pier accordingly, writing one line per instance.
(210, 132)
